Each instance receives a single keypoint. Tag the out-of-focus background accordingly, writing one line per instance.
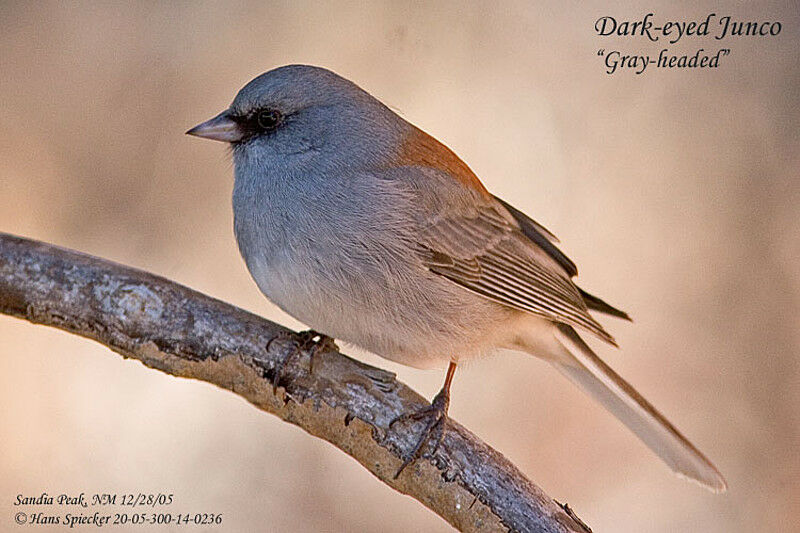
(677, 192)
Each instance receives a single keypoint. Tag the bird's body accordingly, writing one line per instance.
(367, 229)
(368, 287)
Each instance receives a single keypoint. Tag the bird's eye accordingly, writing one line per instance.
(268, 119)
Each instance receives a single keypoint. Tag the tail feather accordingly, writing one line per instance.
(595, 377)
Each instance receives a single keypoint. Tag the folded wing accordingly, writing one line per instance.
(486, 252)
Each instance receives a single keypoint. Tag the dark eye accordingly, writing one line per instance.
(268, 119)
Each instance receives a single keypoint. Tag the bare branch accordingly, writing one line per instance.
(348, 403)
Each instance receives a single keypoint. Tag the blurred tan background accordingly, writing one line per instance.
(676, 192)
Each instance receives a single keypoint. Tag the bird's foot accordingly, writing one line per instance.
(436, 414)
(310, 341)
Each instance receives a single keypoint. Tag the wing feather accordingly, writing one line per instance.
(488, 253)
(541, 236)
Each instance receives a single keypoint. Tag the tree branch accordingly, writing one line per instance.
(348, 403)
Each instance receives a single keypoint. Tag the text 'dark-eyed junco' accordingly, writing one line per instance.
(369, 230)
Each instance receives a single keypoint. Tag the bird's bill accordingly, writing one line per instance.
(220, 128)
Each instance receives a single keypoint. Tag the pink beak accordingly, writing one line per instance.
(220, 128)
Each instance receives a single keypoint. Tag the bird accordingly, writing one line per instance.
(370, 231)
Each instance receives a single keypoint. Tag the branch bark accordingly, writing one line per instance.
(179, 331)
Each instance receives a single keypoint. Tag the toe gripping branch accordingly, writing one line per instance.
(306, 341)
(436, 414)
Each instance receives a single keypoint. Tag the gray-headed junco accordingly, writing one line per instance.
(371, 231)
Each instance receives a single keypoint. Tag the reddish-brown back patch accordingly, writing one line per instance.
(421, 149)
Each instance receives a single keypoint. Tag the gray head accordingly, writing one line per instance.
(295, 108)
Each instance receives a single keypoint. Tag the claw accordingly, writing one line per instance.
(433, 432)
(434, 429)
(303, 341)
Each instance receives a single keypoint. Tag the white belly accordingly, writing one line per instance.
(420, 328)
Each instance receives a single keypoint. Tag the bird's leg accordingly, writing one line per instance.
(436, 414)
(301, 342)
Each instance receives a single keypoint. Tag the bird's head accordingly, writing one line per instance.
(295, 108)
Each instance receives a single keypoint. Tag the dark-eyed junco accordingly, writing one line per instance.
(371, 231)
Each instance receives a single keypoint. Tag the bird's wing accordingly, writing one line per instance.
(482, 243)
(485, 251)
(547, 242)
(541, 236)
